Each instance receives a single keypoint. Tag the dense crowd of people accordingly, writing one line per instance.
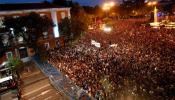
(140, 66)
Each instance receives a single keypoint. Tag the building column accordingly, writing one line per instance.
(55, 22)
(69, 16)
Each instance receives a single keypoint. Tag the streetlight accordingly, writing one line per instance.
(107, 6)
(153, 3)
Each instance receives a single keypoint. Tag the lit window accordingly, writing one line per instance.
(46, 45)
(12, 31)
(1, 22)
(15, 16)
(42, 14)
(45, 34)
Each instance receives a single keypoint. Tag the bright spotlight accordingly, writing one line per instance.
(111, 4)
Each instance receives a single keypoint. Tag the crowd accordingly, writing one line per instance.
(141, 66)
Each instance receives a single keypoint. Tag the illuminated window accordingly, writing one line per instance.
(12, 31)
(45, 34)
(15, 16)
(42, 14)
(1, 22)
(46, 45)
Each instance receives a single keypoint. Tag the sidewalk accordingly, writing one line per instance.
(10, 95)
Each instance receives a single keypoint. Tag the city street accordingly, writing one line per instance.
(87, 50)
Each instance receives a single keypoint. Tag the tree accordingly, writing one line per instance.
(76, 8)
(98, 11)
(74, 27)
(30, 27)
(63, 2)
(65, 28)
(15, 64)
(89, 9)
(132, 7)
(80, 23)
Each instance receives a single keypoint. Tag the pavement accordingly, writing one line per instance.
(9, 95)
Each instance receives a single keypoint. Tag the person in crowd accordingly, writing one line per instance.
(141, 65)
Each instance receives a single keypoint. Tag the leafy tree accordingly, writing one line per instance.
(80, 24)
(43, 53)
(76, 8)
(74, 27)
(63, 2)
(89, 10)
(65, 28)
(133, 7)
(34, 23)
(98, 11)
(15, 64)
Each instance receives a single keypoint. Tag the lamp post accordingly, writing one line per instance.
(107, 6)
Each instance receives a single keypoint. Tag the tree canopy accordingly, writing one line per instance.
(77, 24)
(30, 26)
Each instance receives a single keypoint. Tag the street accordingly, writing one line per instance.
(36, 86)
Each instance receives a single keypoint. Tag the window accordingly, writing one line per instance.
(46, 45)
(12, 31)
(45, 34)
(23, 52)
(20, 39)
(1, 22)
(42, 14)
(15, 16)
(63, 15)
(9, 55)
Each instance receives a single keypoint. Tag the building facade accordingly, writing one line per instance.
(49, 39)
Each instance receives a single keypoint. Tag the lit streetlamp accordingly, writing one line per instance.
(153, 3)
(107, 6)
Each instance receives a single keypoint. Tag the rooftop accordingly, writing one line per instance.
(27, 6)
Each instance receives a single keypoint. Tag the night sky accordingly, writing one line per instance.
(82, 2)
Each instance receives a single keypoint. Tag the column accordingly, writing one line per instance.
(55, 22)
(69, 16)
